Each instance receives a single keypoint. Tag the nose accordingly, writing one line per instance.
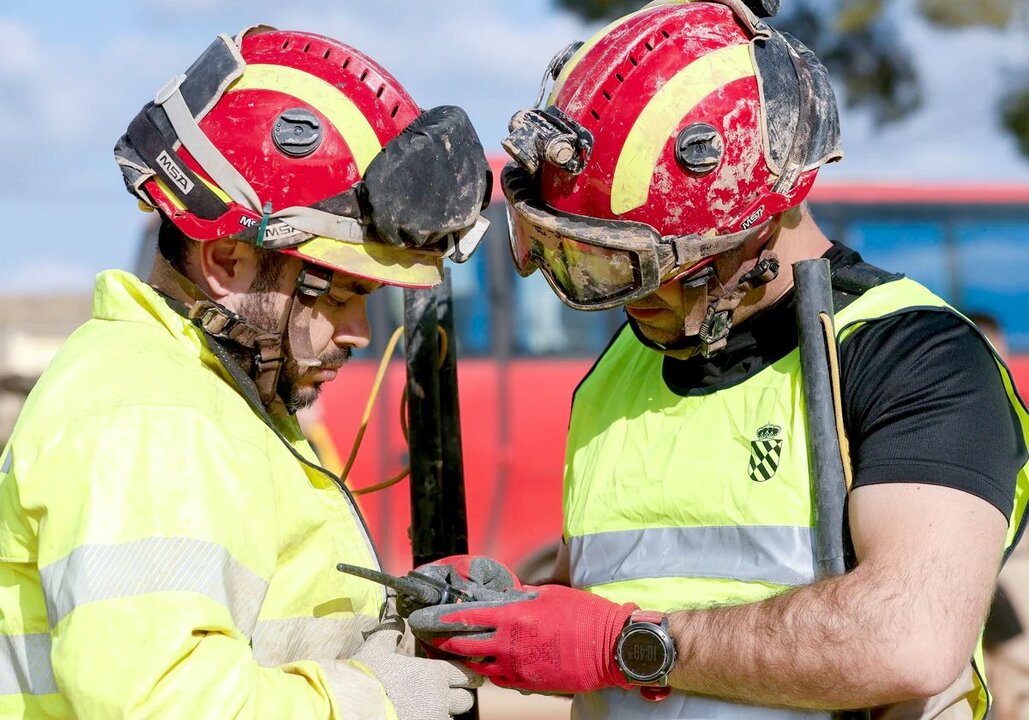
(351, 326)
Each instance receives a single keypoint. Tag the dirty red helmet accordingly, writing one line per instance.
(297, 143)
(672, 135)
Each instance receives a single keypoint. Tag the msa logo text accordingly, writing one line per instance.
(753, 218)
(174, 172)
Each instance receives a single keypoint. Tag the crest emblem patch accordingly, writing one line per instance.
(765, 453)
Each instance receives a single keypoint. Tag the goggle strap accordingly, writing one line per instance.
(224, 175)
(161, 159)
(797, 157)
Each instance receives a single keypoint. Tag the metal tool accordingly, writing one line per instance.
(417, 588)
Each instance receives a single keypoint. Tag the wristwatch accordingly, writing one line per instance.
(645, 653)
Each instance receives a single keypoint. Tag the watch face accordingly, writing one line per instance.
(643, 654)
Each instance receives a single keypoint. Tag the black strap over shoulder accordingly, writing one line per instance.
(851, 281)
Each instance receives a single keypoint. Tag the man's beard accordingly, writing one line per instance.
(258, 310)
(297, 396)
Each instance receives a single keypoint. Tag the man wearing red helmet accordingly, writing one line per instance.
(168, 539)
(666, 174)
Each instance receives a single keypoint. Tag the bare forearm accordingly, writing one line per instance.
(845, 642)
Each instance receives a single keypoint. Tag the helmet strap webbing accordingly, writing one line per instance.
(220, 323)
(711, 315)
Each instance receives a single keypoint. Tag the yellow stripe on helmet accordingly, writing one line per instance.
(327, 99)
(637, 162)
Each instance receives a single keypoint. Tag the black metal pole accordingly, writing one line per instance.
(438, 517)
(814, 299)
(454, 512)
(423, 416)
(813, 287)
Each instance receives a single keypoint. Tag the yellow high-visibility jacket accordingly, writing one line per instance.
(163, 553)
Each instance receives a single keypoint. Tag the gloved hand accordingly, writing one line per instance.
(483, 578)
(550, 638)
(419, 688)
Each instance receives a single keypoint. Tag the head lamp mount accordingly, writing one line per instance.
(550, 136)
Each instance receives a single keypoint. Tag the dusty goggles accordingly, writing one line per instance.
(594, 263)
(396, 206)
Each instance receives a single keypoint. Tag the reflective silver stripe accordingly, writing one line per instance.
(25, 665)
(614, 704)
(277, 642)
(104, 572)
(765, 553)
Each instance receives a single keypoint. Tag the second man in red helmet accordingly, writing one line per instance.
(666, 174)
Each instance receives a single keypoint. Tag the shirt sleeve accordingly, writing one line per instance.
(924, 402)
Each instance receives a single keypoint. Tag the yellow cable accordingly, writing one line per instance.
(372, 396)
(837, 400)
(383, 364)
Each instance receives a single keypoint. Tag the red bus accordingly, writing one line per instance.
(522, 353)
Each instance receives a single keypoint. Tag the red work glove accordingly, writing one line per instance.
(543, 639)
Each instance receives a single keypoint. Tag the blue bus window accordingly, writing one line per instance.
(915, 248)
(544, 325)
(992, 257)
(471, 305)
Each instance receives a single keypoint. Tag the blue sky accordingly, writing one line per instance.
(69, 86)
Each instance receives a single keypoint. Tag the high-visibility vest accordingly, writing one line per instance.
(678, 502)
(163, 551)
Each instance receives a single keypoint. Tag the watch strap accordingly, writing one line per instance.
(654, 617)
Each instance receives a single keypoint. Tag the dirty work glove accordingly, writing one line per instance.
(481, 577)
(549, 638)
(419, 688)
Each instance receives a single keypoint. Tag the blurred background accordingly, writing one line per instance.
(935, 183)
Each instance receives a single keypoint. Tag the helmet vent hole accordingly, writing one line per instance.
(607, 95)
(325, 55)
(378, 93)
(595, 114)
(364, 74)
(346, 61)
(649, 47)
(285, 45)
(619, 77)
(307, 47)
(634, 61)
(665, 33)
(393, 113)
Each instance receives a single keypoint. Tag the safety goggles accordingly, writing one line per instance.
(593, 263)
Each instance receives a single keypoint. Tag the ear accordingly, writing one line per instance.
(228, 266)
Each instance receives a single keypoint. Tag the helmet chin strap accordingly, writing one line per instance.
(712, 304)
(269, 348)
(723, 299)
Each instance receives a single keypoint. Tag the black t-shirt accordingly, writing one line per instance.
(923, 399)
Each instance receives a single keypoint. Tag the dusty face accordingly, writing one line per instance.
(660, 317)
(670, 317)
(339, 324)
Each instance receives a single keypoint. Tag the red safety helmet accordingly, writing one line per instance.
(672, 135)
(268, 138)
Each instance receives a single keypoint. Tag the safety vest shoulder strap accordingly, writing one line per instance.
(851, 281)
(884, 300)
